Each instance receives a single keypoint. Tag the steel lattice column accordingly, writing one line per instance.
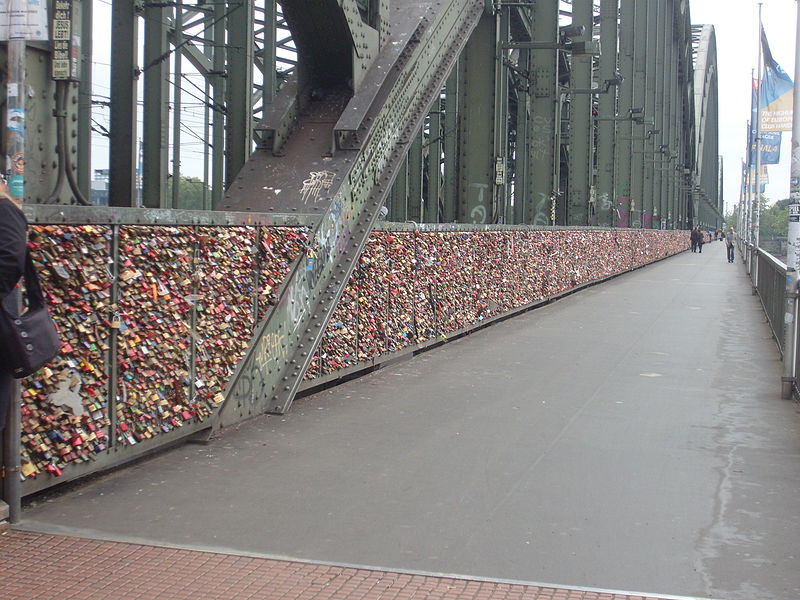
(122, 132)
(85, 104)
(477, 125)
(670, 173)
(622, 151)
(659, 151)
(218, 82)
(607, 117)
(581, 130)
(500, 197)
(414, 200)
(667, 164)
(240, 52)
(675, 127)
(450, 143)
(686, 116)
(434, 164)
(155, 139)
(650, 131)
(521, 157)
(398, 199)
(177, 108)
(542, 140)
(639, 100)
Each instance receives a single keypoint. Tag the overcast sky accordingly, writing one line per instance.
(736, 24)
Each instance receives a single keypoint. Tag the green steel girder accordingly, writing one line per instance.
(581, 138)
(414, 201)
(651, 75)
(174, 200)
(238, 40)
(84, 132)
(155, 134)
(522, 158)
(607, 114)
(664, 168)
(657, 140)
(122, 130)
(433, 148)
(501, 199)
(239, 107)
(625, 114)
(543, 139)
(477, 125)
(706, 141)
(452, 101)
(360, 169)
(398, 197)
(640, 129)
(504, 115)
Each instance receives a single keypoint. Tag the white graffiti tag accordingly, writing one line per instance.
(541, 211)
(315, 185)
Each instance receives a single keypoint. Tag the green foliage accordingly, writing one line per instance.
(732, 218)
(190, 193)
(774, 220)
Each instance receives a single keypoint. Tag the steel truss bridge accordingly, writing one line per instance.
(544, 112)
(342, 113)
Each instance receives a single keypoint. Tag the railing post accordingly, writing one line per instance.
(755, 255)
(789, 333)
(10, 451)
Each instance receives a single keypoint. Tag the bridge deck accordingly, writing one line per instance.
(628, 437)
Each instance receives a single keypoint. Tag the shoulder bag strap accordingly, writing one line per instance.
(32, 285)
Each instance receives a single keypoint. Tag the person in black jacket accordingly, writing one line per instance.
(13, 241)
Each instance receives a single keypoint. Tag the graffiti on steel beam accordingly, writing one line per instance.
(317, 183)
(367, 180)
(479, 213)
(623, 216)
(540, 146)
(267, 356)
(542, 217)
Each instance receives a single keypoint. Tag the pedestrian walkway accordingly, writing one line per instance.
(92, 569)
(628, 437)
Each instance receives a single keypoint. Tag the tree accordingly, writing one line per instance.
(190, 192)
(732, 218)
(774, 220)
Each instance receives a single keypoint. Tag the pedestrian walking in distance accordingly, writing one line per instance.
(729, 244)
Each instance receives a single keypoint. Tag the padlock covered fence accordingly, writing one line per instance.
(154, 317)
(418, 286)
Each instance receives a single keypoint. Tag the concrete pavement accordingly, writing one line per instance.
(628, 437)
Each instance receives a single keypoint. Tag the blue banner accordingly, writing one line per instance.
(777, 93)
(770, 147)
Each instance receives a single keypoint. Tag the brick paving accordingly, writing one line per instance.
(36, 566)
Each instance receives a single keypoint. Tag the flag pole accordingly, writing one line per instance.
(747, 203)
(793, 252)
(744, 231)
(757, 178)
(793, 238)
